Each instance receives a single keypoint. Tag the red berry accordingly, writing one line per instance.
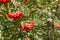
(5, 1)
(28, 38)
(29, 27)
(15, 17)
(57, 25)
(10, 15)
(18, 15)
(21, 15)
(22, 28)
(33, 24)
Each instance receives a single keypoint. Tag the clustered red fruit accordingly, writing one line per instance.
(28, 27)
(16, 16)
(57, 26)
(5, 1)
(28, 38)
(26, 1)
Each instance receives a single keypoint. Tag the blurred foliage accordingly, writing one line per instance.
(45, 18)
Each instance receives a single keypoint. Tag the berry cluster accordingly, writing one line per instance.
(5, 1)
(28, 27)
(16, 16)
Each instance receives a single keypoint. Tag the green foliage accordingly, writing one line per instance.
(45, 18)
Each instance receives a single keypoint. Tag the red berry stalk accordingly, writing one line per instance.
(16, 16)
(28, 27)
(5, 1)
